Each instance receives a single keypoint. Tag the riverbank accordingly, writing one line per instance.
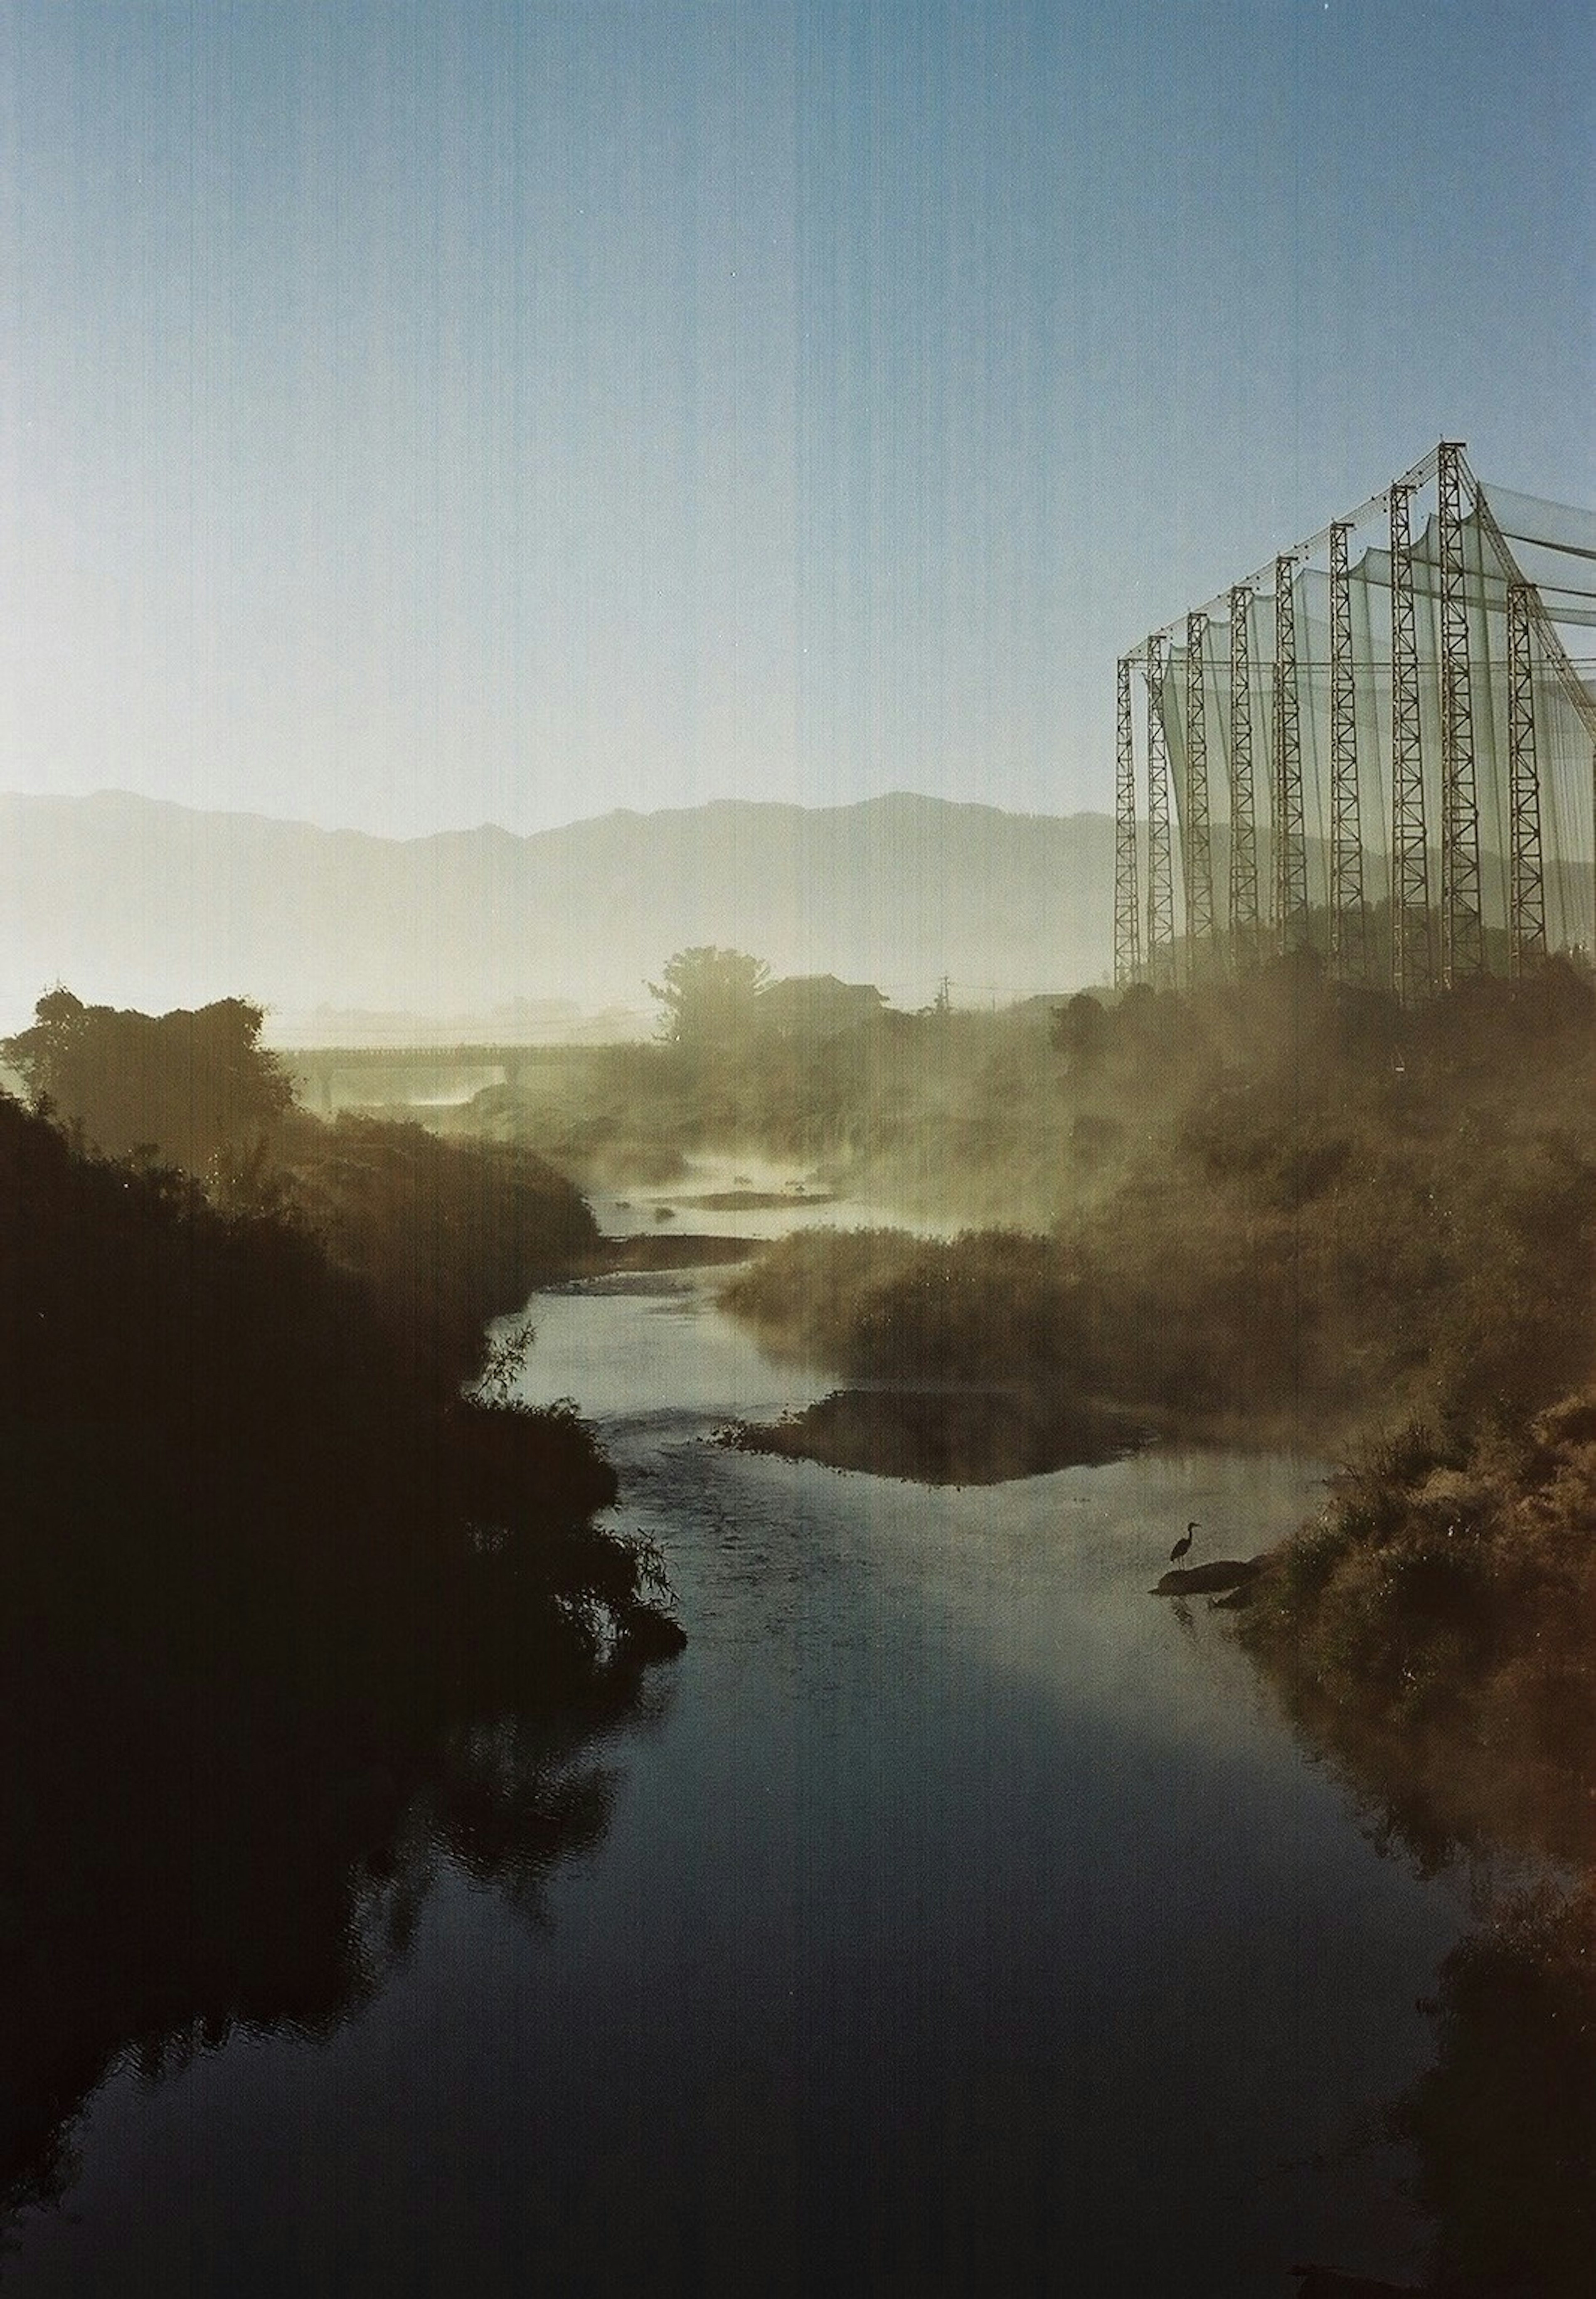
(1430, 1634)
(1435, 1627)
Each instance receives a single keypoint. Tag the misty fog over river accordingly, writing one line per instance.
(966, 1922)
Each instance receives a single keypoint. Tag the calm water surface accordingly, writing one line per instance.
(967, 1922)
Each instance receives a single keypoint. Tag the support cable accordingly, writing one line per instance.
(1554, 653)
(1422, 471)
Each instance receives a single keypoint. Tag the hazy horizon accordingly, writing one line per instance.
(465, 829)
(131, 902)
(422, 418)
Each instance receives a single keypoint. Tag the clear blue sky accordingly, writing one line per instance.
(419, 414)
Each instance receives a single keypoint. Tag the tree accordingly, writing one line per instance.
(1080, 1029)
(709, 998)
(186, 1086)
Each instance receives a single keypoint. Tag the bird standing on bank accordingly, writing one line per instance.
(1183, 1543)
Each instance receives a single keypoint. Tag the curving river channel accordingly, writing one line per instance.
(965, 1921)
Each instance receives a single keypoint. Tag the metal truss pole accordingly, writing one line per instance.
(1290, 850)
(1462, 927)
(1409, 859)
(1128, 921)
(1160, 876)
(1526, 891)
(1348, 925)
(1243, 828)
(1196, 843)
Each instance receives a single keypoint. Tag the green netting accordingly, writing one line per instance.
(1506, 539)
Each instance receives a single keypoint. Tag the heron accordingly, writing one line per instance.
(1183, 1543)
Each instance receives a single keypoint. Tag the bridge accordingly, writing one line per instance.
(1379, 746)
(328, 1077)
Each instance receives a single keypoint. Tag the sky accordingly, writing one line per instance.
(418, 415)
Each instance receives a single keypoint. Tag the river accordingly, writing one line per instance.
(966, 1922)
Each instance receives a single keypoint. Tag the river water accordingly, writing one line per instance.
(966, 1922)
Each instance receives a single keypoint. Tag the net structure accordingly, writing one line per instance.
(1381, 747)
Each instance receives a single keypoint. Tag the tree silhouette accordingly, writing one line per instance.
(709, 998)
(183, 1087)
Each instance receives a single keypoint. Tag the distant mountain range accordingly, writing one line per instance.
(136, 901)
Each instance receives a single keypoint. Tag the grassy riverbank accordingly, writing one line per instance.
(1246, 1205)
(1436, 1627)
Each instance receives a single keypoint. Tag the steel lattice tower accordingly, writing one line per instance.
(1526, 891)
(1451, 687)
(1290, 848)
(1349, 924)
(1462, 928)
(1196, 843)
(1127, 920)
(1410, 858)
(1160, 876)
(1243, 827)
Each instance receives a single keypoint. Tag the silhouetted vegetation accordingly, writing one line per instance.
(289, 1613)
(444, 1235)
(940, 1436)
(709, 998)
(182, 1089)
(441, 1236)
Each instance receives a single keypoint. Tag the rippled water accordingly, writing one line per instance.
(967, 1922)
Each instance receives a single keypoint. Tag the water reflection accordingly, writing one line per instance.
(1502, 2125)
(211, 1827)
(968, 1926)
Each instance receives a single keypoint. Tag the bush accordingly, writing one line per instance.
(1452, 1588)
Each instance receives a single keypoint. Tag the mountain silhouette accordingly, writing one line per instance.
(138, 901)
